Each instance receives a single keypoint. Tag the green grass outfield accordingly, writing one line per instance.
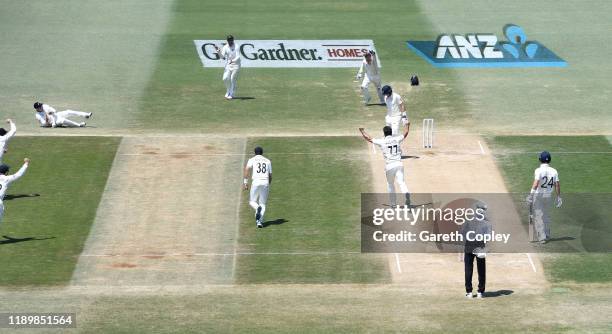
(583, 164)
(50, 209)
(312, 216)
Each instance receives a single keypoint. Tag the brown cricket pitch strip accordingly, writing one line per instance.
(456, 164)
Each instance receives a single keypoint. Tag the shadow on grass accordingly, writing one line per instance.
(10, 240)
(560, 239)
(11, 197)
(498, 293)
(410, 157)
(243, 98)
(275, 222)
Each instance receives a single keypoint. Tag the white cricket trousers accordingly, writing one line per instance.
(61, 118)
(396, 174)
(259, 197)
(230, 76)
(366, 92)
(1, 210)
(541, 216)
(395, 123)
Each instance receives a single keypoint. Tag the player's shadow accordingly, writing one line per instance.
(275, 222)
(12, 197)
(243, 98)
(498, 293)
(376, 104)
(10, 240)
(561, 239)
(410, 157)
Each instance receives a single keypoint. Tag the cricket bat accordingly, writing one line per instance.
(531, 224)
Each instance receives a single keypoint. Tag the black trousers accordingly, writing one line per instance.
(481, 264)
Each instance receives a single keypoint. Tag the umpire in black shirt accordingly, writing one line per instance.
(475, 250)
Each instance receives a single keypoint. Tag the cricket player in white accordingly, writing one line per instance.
(396, 110)
(546, 179)
(261, 175)
(231, 55)
(6, 180)
(47, 116)
(391, 146)
(6, 136)
(370, 72)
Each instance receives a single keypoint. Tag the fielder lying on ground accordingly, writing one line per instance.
(47, 116)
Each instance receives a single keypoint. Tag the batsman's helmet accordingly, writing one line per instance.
(386, 90)
(545, 157)
(2, 131)
(229, 38)
(37, 105)
(387, 131)
(258, 150)
(4, 169)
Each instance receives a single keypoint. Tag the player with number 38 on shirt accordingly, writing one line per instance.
(261, 175)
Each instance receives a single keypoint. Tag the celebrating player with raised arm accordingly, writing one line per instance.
(261, 175)
(230, 53)
(370, 72)
(391, 146)
(6, 136)
(6, 180)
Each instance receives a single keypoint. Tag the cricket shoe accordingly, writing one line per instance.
(89, 116)
(258, 214)
(469, 295)
(259, 224)
(479, 295)
(82, 124)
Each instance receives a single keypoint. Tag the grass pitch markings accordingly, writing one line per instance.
(163, 203)
(50, 210)
(313, 208)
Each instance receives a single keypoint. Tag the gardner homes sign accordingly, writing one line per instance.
(289, 53)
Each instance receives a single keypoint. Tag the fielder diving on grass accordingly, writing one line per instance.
(48, 117)
(391, 146)
(261, 175)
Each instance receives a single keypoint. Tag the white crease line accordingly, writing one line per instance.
(219, 254)
(237, 212)
(397, 262)
(373, 148)
(482, 151)
(531, 263)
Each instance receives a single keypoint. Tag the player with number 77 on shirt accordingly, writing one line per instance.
(260, 169)
(391, 146)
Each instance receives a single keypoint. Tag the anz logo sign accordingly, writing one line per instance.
(485, 50)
